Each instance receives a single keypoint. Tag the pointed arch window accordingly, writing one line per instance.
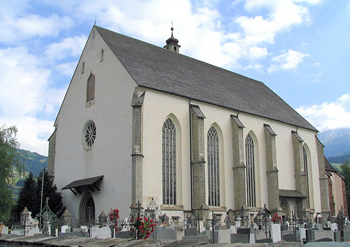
(305, 168)
(213, 168)
(169, 162)
(250, 171)
(102, 55)
(90, 91)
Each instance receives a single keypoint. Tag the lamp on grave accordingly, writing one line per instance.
(102, 218)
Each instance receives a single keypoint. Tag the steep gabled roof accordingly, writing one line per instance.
(156, 68)
(328, 166)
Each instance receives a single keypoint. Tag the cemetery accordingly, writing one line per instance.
(157, 229)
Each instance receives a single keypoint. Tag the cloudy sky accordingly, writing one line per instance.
(299, 48)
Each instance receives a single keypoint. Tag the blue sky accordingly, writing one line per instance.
(299, 48)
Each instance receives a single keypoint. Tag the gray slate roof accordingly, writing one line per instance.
(162, 70)
(83, 182)
(291, 194)
(328, 166)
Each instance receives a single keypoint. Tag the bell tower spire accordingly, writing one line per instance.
(172, 43)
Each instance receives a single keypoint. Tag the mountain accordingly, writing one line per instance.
(337, 144)
(33, 162)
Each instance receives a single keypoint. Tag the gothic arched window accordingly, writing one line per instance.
(250, 171)
(305, 168)
(169, 162)
(90, 91)
(213, 168)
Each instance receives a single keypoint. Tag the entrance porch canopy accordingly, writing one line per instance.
(78, 185)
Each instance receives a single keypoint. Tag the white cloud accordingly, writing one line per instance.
(281, 16)
(32, 133)
(68, 47)
(66, 69)
(257, 52)
(328, 115)
(288, 60)
(27, 97)
(16, 28)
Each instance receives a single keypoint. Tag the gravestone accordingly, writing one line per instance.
(252, 238)
(224, 236)
(76, 234)
(123, 234)
(199, 238)
(320, 234)
(264, 240)
(310, 236)
(65, 229)
(276, 232)
(346, 236)
(4, 230)
(289, 237)
(240, 238)
(324, 240)
(284, 228)
(243, 230)
(319, 226)
(334, 227)
(165, 233)
(209, 234)
(233, 229)
(309, 226)
(302, 233)
(191, 231)
(101, 232)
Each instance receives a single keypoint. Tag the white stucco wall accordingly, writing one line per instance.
(337, 185)
(110, 155)
(158, 106)
(112, 114)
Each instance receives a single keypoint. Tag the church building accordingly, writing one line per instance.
(141, 123)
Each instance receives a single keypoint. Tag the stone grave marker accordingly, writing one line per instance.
(165, 233)
(191, 231)
(320, 234)
(276, 232)
(289, 237)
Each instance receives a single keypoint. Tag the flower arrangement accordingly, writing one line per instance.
(113, 217)
(276, 219)
(141, 227)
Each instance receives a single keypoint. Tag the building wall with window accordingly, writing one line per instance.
(177, 110)
(127, 133)
(111, 113)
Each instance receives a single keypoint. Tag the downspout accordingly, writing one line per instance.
(191, 176)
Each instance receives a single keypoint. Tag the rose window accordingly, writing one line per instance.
(89, 134)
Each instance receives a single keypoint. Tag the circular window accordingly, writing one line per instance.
(89, 134)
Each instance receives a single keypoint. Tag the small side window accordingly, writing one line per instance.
(90, 92)
(102, 54)
(83, 68)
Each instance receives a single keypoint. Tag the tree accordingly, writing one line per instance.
(30, 195)
(27, 197)
(8, 157)
(50, 191)
(345, 172)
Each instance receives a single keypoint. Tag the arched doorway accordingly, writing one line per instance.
(285, 209)
(87, 209)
